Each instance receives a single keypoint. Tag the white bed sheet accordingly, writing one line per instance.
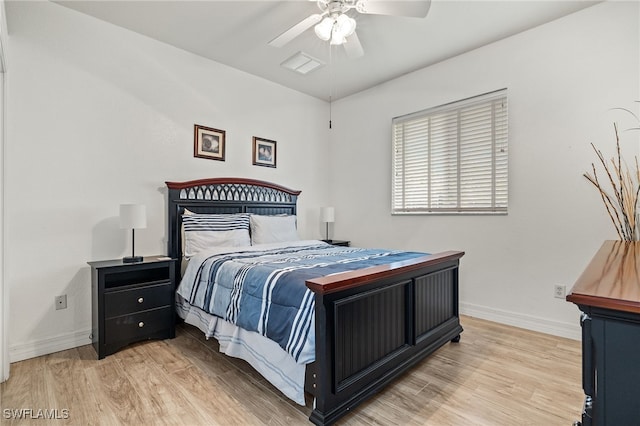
(264, 355)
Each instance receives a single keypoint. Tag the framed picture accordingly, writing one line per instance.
(264, 152)
(208, 143)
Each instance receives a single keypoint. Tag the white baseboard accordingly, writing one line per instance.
(556, 328)
(74, 339)
(49, 345)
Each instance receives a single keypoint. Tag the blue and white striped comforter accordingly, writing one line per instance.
(262, 288)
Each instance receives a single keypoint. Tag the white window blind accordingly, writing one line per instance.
(452, 158)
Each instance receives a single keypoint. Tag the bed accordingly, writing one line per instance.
(368, 325)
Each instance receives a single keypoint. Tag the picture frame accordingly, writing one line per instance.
(208, 143)
(264, 152)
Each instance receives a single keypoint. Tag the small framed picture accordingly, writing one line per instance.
(208, 143)
(264, 152)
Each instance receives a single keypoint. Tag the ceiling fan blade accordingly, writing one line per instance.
(409, 8)
(296, 30)
(352, 46)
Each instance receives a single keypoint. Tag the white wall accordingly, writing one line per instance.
(98, 116)
(4, 305)
(562, 78)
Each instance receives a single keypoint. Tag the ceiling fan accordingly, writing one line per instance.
(333, 24)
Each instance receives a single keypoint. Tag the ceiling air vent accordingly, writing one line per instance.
(302, 63)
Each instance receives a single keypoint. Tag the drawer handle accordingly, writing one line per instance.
(140, 324)
(141, 299)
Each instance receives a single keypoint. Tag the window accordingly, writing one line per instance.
(452, 158)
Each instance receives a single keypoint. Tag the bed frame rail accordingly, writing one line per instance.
(374, 324)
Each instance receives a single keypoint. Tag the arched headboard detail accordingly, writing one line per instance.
(226, 196)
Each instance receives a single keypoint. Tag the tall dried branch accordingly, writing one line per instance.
(608, 204)
(622, 206)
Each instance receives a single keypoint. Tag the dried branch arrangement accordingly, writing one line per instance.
(622, 203)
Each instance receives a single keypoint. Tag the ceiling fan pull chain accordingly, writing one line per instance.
(330, 81)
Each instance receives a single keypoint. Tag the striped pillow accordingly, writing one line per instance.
(203, 231)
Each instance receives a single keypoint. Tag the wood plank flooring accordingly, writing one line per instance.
(496, 375)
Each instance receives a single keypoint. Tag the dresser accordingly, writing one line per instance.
(131, 302)
(608, 294)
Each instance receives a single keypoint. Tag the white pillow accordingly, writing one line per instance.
(203, 231)
(273, 229)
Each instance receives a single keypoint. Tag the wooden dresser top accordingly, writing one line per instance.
(612, 278)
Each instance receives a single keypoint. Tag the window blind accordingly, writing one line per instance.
(452, 158)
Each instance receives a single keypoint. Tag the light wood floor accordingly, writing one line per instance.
(496, 375)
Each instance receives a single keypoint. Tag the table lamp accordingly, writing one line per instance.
(328, 216)
(133, 216)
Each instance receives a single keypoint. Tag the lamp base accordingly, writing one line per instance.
(132, 259)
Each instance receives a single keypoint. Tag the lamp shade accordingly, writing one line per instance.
(133, 216)
(337, 40)
(335, 29)
(328, 214)
(345, 26)
(324, 28)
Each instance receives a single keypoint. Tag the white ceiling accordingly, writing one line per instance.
(236, 33)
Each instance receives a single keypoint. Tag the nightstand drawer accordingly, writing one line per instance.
(132, 300)
(131, 327)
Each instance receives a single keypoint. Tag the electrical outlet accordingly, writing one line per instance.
(61, 302)
(559, 291)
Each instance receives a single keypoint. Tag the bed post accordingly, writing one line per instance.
(320, 382)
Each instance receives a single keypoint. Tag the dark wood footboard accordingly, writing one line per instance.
(373, 324)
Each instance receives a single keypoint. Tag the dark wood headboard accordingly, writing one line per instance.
(224, 195)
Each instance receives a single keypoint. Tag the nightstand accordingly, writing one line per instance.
(338, 242)
(131, 302)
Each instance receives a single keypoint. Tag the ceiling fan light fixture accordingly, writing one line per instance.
(333, 24)
(337, 40)
(345, 26)
(335, 29)
(324, 29)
